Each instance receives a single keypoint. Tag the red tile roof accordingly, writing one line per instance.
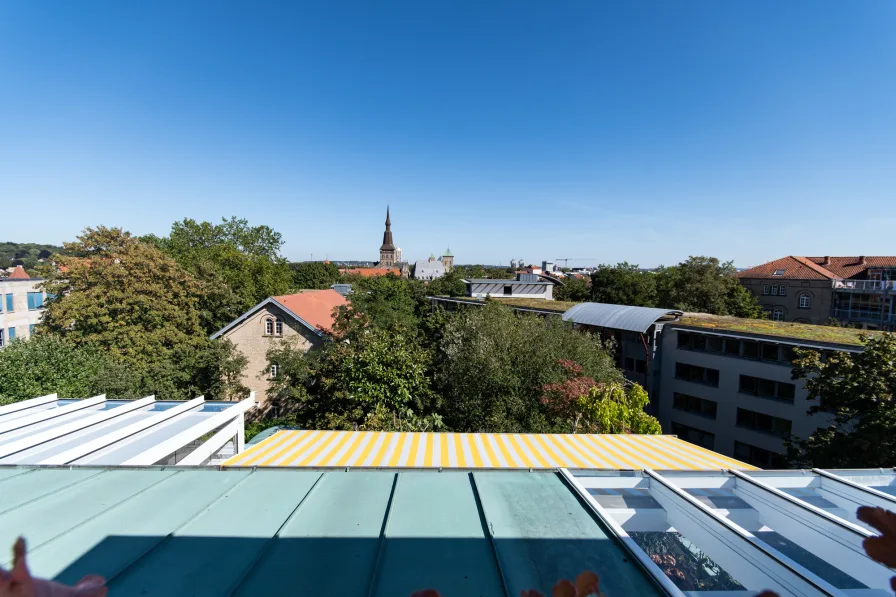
(314, 306)
(815, 268)
(370, 272)
(847, 267)
(19, 273)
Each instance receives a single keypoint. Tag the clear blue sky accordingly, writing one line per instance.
(639, 131)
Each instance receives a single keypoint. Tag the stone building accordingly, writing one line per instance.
(304, 319)
(21, 306)
(389, 253)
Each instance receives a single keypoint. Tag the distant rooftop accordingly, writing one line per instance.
(558, 307)
(799, 331)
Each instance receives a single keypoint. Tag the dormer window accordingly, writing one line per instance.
(779, 272)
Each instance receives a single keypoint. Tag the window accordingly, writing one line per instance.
(694, 435)
(279, 328)
(269, 327)
(769, 352)
(732, 347)
(762, 422)
(779, 272)
(629, 364)
(751, 349)
(698, 342)
(35, 301)
(778, 314)
(684, 340)
(30, 330)
(697, 374)
(782, 290)
(766, 289)
(767, 388)
(9, 306)
(640, 366)
(758, 456)
(775, 290)
(804, 301)
(714, 344)
(11, 334)
(1, 338)
(275, 369)
(692, 404)
(508, 290)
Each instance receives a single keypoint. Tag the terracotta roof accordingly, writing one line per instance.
(314, 306)
(794, 268)
(19, 273)
(370, 272)
(847, 267)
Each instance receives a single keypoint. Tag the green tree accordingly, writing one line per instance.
(47, 364)
(613, 408)
(623, 284)
(387, 302)
(451, 284)
(237, 264)
(492, 367)
(314, 274)
(125, 297)
(703, 284)
(377, 381)
(857, 391)
(572, 289)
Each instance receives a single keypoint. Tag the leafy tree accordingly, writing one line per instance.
(451, 284)
(238, 265)
(858, 390)
(47, 364)
(572, 289)
(387, 302)
(623, 284)
(125, 297)
(314, 274)
(377, 381)
(705, 285)
(492, 366)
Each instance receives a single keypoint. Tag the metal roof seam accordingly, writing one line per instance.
(171, 534)
(381, 541)
(857, 486)
(489, 531)
(49, 493)
(270, 540)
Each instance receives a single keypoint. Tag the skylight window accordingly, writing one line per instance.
(779, 272)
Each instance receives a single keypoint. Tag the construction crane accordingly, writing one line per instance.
(566, 260)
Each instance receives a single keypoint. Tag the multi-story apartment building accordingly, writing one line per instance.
(855, 290)
(21, 306)
(725, 383)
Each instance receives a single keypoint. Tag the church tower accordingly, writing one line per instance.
(448, 260)
(388, 252)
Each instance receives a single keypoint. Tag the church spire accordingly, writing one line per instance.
(388, 245)
(388, 221)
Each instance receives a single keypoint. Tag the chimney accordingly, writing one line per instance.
(827, 260)
(862, 260)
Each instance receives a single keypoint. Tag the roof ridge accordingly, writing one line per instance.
(812, 265)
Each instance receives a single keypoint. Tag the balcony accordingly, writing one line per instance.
(865, 285)
(865, 315)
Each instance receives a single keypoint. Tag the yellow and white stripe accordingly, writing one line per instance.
(369, 449)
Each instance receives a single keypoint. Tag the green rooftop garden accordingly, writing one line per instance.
(525, 303)
(802, 331)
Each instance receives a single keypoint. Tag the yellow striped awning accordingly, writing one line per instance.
(371, 449)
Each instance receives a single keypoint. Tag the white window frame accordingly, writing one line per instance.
(275, 370)
(805, 298)
(775, 290)
(782, 290)
(778, 272)
(1, 338)
(278, 326)
(268, 326)
(766, 289)
(778, 314)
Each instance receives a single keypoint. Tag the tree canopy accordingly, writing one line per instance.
(237, 265)
(314, 275)
(623, 284)
(856, 393)
(125, 297)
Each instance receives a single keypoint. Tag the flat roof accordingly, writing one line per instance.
(497, 281)
(558, 307)
(206, 533)
(98, 431)
(780, 329)
(372, 449)
(617, 317)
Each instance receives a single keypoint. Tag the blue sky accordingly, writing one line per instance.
(639, 131)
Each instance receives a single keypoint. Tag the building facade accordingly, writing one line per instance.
(302, 320)
(859, 291)
(524, 286)
(732, 391)
(21, 306)
(429, 269)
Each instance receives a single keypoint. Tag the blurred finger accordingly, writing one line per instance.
(587, 584)
(882, 550)
(564, 588)
(19, 573)
(882, 520)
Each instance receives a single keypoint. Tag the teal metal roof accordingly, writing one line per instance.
(203, 532)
